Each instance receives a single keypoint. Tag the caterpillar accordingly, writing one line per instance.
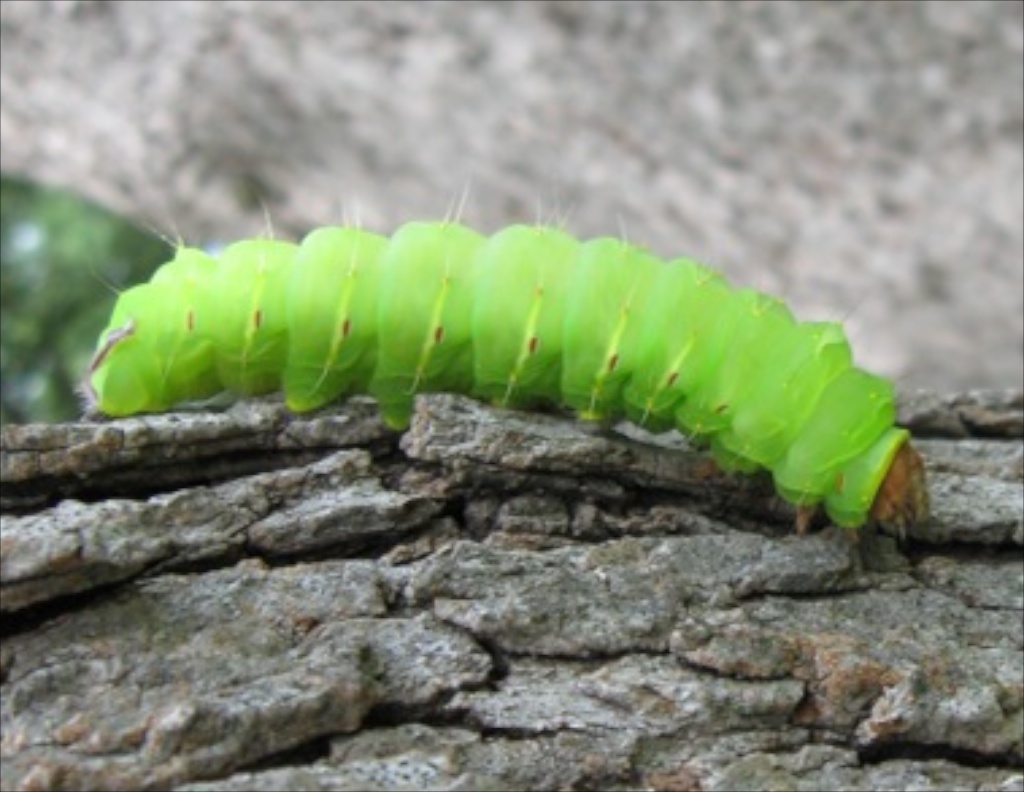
(526, 317)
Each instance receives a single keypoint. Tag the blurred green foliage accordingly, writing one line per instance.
(62, 261)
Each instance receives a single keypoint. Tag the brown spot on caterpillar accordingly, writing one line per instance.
(257, 319)
(902, 499)
(438, 334)
(672, 379)
(190, 321)
(346, 328)
(613, 361)
(840, 482)
(534, 343)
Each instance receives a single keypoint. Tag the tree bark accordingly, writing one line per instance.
(496, 600)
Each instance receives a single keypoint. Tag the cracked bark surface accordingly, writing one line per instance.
(496, 600)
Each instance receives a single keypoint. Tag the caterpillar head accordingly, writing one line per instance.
(150, 356)
(135, 370)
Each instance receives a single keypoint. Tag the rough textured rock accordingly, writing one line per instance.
(498, 601)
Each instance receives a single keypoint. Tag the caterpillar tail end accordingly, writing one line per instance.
(902, 499)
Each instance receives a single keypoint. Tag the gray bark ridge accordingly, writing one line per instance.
(496, 600)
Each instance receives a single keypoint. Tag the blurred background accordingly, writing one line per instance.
(862, 160)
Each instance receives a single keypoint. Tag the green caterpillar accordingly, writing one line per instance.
(526, 317)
